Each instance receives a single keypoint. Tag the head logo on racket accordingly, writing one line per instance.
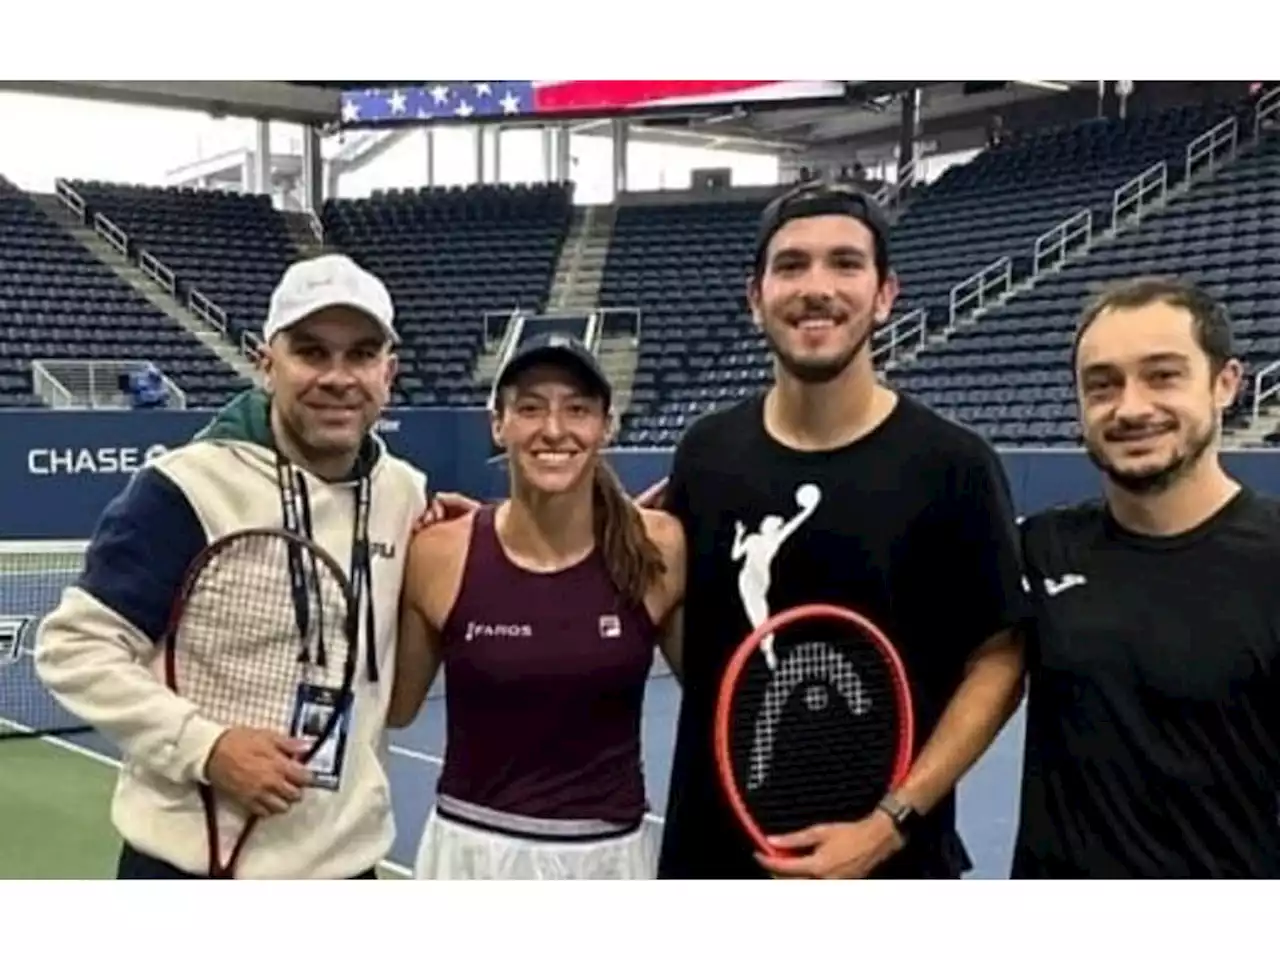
(821, 738)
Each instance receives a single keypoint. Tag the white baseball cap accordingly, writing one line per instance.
(332, 280)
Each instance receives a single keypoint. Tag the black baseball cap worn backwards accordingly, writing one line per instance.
(819, 198)
(562, 350)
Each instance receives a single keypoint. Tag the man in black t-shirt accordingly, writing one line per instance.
(1153, 721)
(908, 519)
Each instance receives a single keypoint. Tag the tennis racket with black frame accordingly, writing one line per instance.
(262, 615)
(818, 732)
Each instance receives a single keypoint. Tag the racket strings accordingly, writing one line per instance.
(815, 740)
(240, 652)
(815, 667)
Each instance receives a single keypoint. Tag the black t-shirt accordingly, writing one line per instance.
(1154, 698)
(913, 527)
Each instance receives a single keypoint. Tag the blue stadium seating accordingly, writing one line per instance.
(685, 268)
(1007, 374)
(999, 203)
(232, 247)
(448, 256)
(58, 302)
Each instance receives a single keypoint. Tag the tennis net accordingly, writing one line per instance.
(33, 574)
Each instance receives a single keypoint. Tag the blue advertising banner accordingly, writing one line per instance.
(59, 469)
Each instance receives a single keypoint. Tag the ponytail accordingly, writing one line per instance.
(633, 560)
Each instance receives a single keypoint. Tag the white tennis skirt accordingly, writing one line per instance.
(462, 841)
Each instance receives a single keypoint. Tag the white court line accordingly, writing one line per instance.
(389, 865)
(439, 762)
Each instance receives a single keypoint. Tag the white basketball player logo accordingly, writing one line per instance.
(757, 550)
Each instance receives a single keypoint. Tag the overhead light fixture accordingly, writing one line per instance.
(1058, 86)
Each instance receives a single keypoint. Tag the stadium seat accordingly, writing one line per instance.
(685, 267)
(449, 256)
(58, 302)
(1012, 365)
(232, 247)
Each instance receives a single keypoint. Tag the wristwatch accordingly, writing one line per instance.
(903, 815)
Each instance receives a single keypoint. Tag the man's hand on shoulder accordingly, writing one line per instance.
(445, 506)
(663, 528)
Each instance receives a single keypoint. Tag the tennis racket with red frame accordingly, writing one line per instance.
(262, 614)
(814, 722)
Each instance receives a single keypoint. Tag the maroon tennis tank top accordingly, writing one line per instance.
(544, 684)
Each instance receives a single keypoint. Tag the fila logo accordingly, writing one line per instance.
(382, 550)
(475, 630)
(610, 626)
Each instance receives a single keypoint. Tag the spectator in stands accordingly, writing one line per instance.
(328, 365)
(918, 514)
(145, 388)
(542, 776)
(1153, 735)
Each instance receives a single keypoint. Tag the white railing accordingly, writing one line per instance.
(1268, 105)
(161, 275)
(613, 321)
(980, 290)
(317, 226)
(208, 311)
(1262, 392)
(515, 329)
(251, 347)
(47, 387)
(1132, 199)
(887, 196)
(1053, 247)
(1208, 147)
(71, 199)
(112, 234)
(151, 266)
(902, 338)
(491, 330)
(95, 384)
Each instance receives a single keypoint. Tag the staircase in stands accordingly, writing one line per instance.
(903, 339)
(306, 232)
(580, 269)
(112, 247)
(576, 289)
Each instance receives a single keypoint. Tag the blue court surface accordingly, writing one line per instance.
(988, 796)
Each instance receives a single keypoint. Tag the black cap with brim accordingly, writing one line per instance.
(821, 198)
(558, 349)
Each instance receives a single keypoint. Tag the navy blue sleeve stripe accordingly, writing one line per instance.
(144, 542)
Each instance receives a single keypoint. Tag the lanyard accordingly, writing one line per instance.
(297, 519)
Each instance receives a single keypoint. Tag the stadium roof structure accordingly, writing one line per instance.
(870, 115)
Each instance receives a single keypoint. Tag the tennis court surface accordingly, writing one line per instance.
(55, 793)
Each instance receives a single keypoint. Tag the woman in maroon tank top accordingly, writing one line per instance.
(545, 612)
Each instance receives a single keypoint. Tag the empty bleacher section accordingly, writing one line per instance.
(989, 238)
(58, 303)
(230, 248)
(686, 268)
(450, 256)
(1007, 375)
(989, 213)
(968, 241)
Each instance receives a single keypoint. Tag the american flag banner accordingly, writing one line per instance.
(486, 99)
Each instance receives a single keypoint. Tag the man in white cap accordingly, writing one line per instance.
(306, 436)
